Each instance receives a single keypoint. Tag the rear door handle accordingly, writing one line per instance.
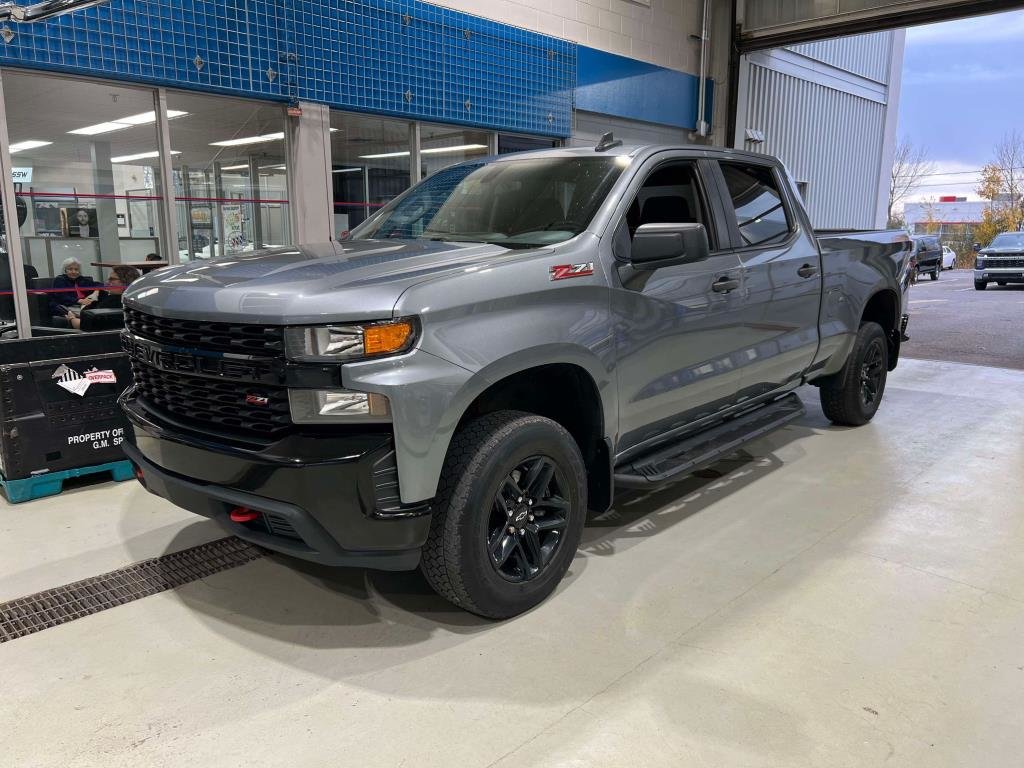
(725, 284)
(807, 270)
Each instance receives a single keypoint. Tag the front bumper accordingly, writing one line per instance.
(321, 497)
(1015, 275)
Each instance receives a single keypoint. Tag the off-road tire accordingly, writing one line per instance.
(841, 394)
(980, 285)
(455, 558)
(935, 273)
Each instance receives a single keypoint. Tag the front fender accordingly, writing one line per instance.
(430, 395)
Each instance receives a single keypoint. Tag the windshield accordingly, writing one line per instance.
(1008, 240)
(515, 203)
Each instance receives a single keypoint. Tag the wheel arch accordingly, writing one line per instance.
(572, 389)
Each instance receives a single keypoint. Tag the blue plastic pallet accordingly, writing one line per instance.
(52, 483)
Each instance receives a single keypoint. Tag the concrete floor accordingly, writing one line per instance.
(838, 598)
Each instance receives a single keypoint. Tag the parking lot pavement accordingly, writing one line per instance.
(828, 597)
(949, 320)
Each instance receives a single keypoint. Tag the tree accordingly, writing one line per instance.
(910, 166)
(1002, 184)
(931, 223)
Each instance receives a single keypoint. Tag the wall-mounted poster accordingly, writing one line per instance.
(79, 222)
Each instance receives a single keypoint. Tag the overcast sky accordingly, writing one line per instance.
(963, 89)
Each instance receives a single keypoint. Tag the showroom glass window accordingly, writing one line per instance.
(442, 146)
(86, 175)
(230, 174)
(369, 166)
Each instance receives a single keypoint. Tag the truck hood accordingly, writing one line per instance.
(1005, 251)
(306, 284)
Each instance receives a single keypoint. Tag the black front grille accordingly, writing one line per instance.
(997, 263)
(218, 337)
(218, 403)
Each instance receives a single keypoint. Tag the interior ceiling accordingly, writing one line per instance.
(45, 108)
(771, 24)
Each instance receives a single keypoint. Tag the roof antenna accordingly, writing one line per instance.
(608, 141)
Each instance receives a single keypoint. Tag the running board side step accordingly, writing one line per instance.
(697, 451)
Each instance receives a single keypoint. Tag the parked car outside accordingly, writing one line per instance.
(948, 257)
(929, 255)
(1001, 261)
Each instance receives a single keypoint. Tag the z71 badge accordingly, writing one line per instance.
(565, 271)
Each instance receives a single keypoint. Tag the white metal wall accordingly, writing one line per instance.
(826, 138)
(864, 55)
(828, 110)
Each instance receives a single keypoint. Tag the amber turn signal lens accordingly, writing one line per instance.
(386, 337)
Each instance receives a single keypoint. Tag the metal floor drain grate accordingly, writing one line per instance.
(60, 605)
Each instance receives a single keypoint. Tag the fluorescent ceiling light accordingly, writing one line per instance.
(30, 144)
(346, 170)
(248, 140)
(140, 156)
(272, 167)
(432, 151)
(241, 167)
(143, 118)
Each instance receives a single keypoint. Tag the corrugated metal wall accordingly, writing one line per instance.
(828, 138)
(865, 55)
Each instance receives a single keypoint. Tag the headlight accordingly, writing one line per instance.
(340, 343)
(979, 263)
(322, 406)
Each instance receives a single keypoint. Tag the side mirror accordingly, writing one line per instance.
(665, 245)
(977, 247)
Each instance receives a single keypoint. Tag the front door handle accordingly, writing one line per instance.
(725, 284)
(807, 270)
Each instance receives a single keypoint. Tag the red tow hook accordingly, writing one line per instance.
(243, 515)
(139, 475)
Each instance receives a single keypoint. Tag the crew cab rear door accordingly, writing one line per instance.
(782, 273)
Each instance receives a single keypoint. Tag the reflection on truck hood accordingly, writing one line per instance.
(306, 283)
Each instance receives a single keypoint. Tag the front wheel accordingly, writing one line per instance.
(980, 285)
(511, 507)
(852, 396)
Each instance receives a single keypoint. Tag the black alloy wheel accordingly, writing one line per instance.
(872, 372)
(528, 520)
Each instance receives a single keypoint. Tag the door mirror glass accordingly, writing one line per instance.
(662, 245)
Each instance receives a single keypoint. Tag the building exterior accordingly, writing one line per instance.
(198, 129)
(828, 110)
(945, 216)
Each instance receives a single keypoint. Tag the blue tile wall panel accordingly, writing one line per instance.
(399, 57)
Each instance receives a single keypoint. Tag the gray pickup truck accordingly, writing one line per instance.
(497, 351)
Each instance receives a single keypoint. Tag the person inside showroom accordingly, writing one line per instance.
(80, 290)
(93, 316)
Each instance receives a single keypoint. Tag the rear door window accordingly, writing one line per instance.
(757, 204)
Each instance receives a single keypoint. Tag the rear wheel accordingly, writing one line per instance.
(511, 507)
(980, 285)
(935, 273)
(852, 396)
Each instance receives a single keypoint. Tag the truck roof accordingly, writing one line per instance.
(638, 150)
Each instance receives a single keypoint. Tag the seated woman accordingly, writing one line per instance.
(79, 289)
(110, 298)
